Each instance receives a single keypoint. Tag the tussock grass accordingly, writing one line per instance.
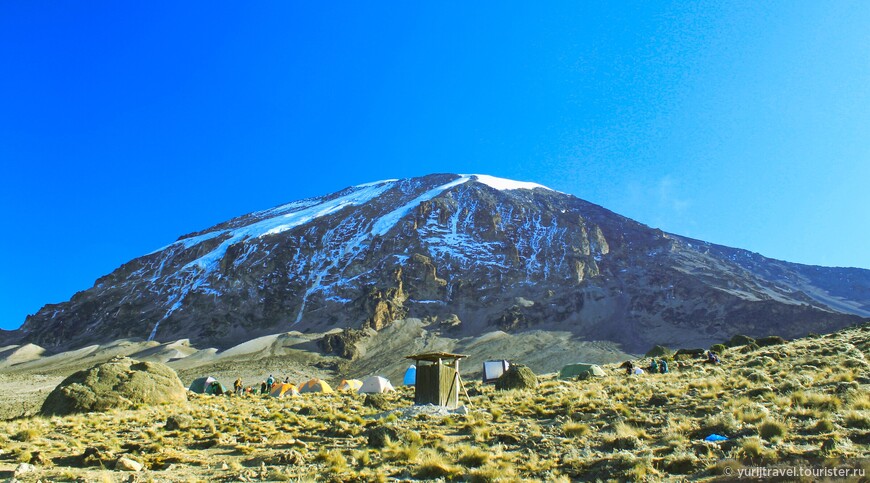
(576, 430)
(857, 419)
(772, 404)
(816, 400)
(754, 449)
(431, 464)
(822, 426)
(772, 430)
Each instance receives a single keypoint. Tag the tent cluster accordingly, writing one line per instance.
(372, 385)
(492, 371)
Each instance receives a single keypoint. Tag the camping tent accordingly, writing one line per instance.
(410, 376)
(203, 385)
(216, 388)
(349, 385)
(315, 385)
(573, 371)
(376, 384)
(284, 390)
(492, 370)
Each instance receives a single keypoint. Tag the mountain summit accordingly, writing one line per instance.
(465, 253)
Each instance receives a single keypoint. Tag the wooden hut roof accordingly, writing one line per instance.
(435, 356)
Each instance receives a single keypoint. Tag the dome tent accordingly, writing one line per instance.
(284, 390)
(376, 385)
(573, 371)
(349, 385)
(315, 385)
(206, 385)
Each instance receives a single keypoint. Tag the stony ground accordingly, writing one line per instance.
(806, 399)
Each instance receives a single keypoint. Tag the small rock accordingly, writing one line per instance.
(225, 466)
(377, 401)
(379, 436)
(300, 444)
(461, 410)
(92, 457)
(506, 438)
(37, 458)
(24, 468)
(178, 421)
(126, 464)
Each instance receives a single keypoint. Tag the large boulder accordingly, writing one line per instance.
(121, 383)
(659, 351)
(517, 377)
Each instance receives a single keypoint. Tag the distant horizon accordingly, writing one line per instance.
(125, 126)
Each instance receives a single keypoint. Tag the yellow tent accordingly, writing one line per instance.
(349, 385)
(315, 385)
(284, 390)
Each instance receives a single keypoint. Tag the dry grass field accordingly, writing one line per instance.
(804, 400)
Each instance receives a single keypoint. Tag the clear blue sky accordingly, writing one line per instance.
(124, 125)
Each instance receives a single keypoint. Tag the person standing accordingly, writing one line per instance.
(237, 386)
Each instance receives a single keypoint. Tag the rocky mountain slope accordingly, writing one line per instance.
(467, 254)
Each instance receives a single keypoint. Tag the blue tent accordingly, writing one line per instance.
(410, 376)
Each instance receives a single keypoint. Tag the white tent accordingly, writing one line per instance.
(492, 370)
(376, 384)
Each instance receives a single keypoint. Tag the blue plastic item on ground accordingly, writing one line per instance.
(715, 437)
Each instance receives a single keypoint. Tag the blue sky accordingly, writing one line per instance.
(125, 125)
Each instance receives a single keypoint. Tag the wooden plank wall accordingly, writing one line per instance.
(436, 384)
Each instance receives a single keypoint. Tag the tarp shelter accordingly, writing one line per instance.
(315, 385)
(284, 390)
(349, 385)
(573, 371)
(376, 385)
(203, 385)
(492, 370)
(410, 376)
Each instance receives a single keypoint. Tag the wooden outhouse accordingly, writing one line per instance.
(438, 380)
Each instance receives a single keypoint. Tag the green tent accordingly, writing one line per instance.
(573, 371)
(206, 385)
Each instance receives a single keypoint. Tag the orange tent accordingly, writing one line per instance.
(315, 385)
(349, 385)
(284, 390)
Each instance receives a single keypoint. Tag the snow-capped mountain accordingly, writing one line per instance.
(466, 253)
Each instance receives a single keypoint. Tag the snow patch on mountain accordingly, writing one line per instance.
(503, 184)
(383, 225)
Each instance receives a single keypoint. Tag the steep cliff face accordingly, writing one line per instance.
(482, 252)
